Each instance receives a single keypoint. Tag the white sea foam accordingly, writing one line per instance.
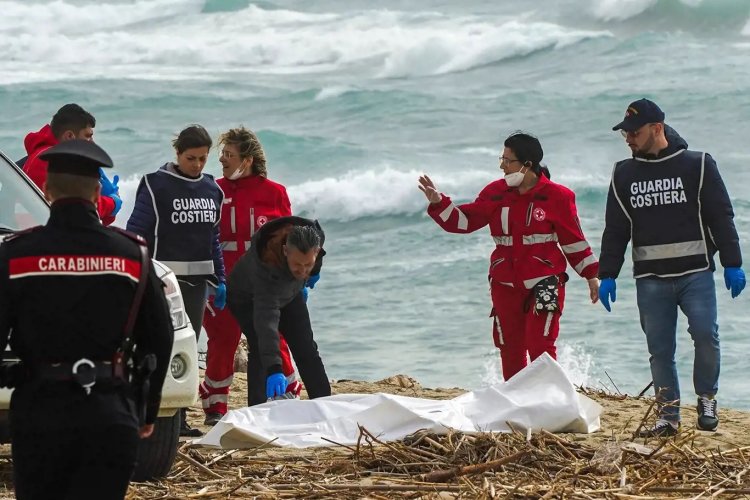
(480, 150)
(621, 10)
(466, 43)
(577, 363)
(376, 193)
(332, 92)
(174, 39)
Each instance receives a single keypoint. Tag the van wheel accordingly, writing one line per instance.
(157, 453)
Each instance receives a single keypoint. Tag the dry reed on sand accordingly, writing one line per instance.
(455, 465)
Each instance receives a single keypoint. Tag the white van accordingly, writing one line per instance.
(22, 205)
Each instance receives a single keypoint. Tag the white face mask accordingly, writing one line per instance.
(236, 174)
(515, 179)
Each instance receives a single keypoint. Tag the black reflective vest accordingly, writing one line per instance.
(187, 215)
(662, 200)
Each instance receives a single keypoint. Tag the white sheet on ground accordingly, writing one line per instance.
(539, 397)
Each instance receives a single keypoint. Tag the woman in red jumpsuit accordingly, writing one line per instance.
(534, 225)
(250, 200)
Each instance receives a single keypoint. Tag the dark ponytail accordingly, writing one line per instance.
(542, 170)
(528, 149)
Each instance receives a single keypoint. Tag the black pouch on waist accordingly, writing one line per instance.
(142, 385)
(546, 295)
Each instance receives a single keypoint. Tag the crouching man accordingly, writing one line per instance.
(264, 293)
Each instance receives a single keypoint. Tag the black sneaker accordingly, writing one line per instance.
(708, 415)
(662, 428)
(212, 418)
(185, 429)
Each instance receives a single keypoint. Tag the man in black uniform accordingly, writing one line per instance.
(66, 291)
(673, 204)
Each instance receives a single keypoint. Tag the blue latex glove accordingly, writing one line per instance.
(118, 203)
(734, 279)
(275, 385)
(109, 188)
(220, 297)
(310, 283)
(607, 292)
(305, 293)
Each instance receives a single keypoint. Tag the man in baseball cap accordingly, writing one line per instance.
(640, 113)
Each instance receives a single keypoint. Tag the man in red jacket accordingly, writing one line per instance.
(70, 122)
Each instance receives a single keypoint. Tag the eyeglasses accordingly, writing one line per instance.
(227, 154)
(506, 161)
(634, 133)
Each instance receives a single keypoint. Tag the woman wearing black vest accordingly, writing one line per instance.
(177, 210)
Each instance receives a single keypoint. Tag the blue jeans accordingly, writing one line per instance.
(658, 300)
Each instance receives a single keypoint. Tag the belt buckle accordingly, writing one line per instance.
(84, 372)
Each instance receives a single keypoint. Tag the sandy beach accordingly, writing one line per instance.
(207, 473)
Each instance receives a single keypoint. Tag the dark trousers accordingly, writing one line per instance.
(73, 463)
(294, 323)
(193, 291)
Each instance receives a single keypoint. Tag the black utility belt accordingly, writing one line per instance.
(84, 372)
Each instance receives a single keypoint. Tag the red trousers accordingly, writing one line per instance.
(223, 338)
(517, 330)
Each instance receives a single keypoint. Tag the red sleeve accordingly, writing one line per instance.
(105, 207)
(36, 169)
(572, 240)
(465, 218)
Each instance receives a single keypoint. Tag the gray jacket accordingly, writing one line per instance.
(266, 288)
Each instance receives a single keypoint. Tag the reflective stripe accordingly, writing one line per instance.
(229, 246)
(505, 241)
(232, 220)
(156, 213)
(585, 263)
(529, 239)
(547, 323)
(248, 244)
(213, 399)
(499, 331)
(670, 250)
(533, 239)
(529, 211)
(447, 212)
(529, 283)
(463, 222)
(218, 384)
(232, 246)
(252, 221)
(190, 268)
(504, 219)
(578, 246)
